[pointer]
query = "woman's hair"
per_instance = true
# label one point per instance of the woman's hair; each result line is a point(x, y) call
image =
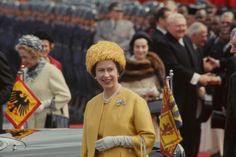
point(174, 17)
point(30, 51)
point(140, 35)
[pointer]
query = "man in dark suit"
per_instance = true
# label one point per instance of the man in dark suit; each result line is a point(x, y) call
point(177, 53)
point(198, 32)
point(6, 83)
point(161, 26)
point(230, 127)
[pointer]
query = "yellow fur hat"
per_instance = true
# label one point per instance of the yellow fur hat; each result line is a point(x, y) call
point(104, 50)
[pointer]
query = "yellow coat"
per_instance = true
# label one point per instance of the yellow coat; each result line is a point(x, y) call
point(129, 116)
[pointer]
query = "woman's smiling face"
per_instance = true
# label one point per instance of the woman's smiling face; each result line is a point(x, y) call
point(107, 74)
point(27, 59)
point(140, 48)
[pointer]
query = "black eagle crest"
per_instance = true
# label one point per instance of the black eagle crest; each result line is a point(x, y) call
point(19, 102)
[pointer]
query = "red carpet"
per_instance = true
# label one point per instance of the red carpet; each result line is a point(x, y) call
point(202, 154)
point(76, 126)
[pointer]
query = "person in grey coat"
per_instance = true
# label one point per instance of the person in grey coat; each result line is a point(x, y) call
point(115, 28)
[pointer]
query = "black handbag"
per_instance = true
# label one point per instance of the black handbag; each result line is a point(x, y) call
point(54, 120)
point(218, 119)
point(155, 106)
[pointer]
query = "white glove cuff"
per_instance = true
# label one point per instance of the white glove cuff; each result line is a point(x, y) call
point(46, 103)
point(124, 141)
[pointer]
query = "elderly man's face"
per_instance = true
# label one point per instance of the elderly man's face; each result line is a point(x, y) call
point(226, 21)
point(177, 27)
point(201, 37)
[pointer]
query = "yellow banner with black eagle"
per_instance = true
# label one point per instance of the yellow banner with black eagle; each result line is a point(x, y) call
point(21, 104)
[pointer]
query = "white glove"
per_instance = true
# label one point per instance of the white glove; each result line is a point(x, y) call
point(43, 105)
point(113, 141)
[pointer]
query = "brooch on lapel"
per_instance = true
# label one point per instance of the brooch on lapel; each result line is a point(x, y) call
point(120, 102)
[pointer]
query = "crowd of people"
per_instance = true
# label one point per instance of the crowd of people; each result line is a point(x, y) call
point(61, 49)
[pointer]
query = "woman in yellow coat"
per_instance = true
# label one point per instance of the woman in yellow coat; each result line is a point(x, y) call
point(116, 119)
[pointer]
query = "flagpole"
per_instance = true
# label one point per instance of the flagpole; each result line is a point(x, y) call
point(20, 74)
point(171, 74)
point(170, 79)
point(170, 117)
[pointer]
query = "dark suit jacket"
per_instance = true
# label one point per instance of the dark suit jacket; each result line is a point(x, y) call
point(230, 127)
point(184, 63)
point(157, 37)
point(6, 80)
point(218, 49)
point(6, 83)
point(200, 56)
point(227, 68)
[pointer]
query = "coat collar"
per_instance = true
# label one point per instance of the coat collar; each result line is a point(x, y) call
point(189, 47)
